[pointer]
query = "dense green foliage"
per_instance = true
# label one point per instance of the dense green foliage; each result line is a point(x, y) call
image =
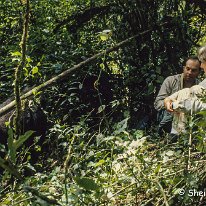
point(96, 151)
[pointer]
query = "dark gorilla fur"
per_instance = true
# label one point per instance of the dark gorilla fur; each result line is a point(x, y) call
point(32, 118)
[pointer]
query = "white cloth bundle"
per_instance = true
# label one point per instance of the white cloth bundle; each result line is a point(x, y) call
point(186, 101)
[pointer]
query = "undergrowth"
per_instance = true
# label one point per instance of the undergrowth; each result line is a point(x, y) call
point(125, 167)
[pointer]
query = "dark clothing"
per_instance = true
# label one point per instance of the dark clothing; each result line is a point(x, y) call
point(164, 119)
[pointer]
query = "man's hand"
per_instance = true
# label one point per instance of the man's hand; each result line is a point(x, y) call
point(168, 105)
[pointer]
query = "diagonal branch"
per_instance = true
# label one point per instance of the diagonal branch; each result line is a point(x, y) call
point(66, 73)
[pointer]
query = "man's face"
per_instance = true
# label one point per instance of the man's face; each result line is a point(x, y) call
point(191, 70)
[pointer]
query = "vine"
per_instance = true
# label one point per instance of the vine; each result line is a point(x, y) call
point(18, 72)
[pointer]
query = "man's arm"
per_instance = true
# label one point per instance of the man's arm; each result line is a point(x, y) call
point(164, 92)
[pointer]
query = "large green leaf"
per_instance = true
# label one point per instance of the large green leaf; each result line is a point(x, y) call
point(87, 183)
point(22, 138)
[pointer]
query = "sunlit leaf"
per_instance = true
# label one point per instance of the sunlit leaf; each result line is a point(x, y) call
point(103, 36)
point(101, 108)
point(26, 72)
point(17, 53)
point(102, 66)
point(101, 162)
point(35, 70)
